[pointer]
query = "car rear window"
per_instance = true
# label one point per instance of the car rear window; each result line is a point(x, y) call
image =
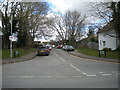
point(42, 48)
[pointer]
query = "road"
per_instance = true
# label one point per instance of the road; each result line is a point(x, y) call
point(60, 70)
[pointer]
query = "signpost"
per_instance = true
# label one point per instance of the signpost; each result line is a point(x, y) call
point(102, 52)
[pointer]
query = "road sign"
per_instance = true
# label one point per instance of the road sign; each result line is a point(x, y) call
point(10, 37)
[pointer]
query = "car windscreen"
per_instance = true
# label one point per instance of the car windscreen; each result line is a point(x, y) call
point(70, 46)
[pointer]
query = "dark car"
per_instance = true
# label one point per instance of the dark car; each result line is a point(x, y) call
point(49, 47)
point(43, 51)
point(69, 48)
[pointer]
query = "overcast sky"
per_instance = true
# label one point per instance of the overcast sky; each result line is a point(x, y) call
point(83, 7)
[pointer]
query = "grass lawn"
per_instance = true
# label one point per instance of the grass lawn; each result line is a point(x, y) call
point(91, 52)
point(6, 52)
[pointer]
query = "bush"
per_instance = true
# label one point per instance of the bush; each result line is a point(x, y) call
point(107, 49)
point(35, 45)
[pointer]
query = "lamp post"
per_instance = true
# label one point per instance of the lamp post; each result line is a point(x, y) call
point(11, 36)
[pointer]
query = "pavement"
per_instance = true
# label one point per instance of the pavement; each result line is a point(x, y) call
point(75, 53)
point(20, 59)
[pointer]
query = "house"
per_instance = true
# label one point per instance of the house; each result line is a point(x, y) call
point(0, 30)
point(107, 37)
point(0, 23)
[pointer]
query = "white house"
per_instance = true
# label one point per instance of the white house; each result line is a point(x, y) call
point(0, 30)
point(0, 23)
point(107, 38)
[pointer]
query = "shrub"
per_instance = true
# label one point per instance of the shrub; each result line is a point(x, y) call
point(107, 49)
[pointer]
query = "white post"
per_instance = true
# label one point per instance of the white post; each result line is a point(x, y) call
point(11, 37)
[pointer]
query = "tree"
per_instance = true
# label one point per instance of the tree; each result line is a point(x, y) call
point(115, 7)
point(27, 19)
point(69, 26)
point(91, 33)
point(74, 24)
point(110, 13)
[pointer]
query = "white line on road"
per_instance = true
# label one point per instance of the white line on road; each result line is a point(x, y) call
point(74, 67)
point(114, 71)
point(60, 76)
point(56, 54)
point(62, 59)
point(106, 74)
point(101, 72)
point(91, 75)
point(45, 76)
point(76, 76)
point(27, 76)
point(77, 69)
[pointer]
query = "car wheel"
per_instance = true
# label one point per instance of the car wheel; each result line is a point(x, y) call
point(47, 54)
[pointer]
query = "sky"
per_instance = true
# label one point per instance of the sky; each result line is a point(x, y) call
point(64, 5)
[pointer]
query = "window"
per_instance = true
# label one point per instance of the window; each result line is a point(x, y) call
point(100, 42)
point(104, 43)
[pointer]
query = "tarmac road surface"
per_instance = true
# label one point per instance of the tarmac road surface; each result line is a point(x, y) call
point(60, 70)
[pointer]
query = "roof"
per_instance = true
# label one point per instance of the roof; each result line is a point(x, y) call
point(107, 27)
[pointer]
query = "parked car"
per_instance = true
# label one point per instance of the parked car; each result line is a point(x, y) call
point(59, 46)
point(68, 48)
point(49, 47)
point(43, 51)
point(53, 46)
point(63, 47)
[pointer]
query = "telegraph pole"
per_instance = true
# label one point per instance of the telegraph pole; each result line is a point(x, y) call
point(11, 36)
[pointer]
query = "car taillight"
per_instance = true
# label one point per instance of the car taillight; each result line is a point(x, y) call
point(47, 50)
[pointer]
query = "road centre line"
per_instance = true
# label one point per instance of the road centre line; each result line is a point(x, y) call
point(62, 59)
point(77, 69)
point(56, 54)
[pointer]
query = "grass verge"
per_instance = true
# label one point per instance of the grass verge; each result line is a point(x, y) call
point(22, 51)
point(91, 52)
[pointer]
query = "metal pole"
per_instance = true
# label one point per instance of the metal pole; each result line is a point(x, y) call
point(11, 37)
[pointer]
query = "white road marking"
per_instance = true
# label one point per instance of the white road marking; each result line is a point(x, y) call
point(45, 76)
point(77, 69)
point(26, 76)
point(74, 67)
point(114, 71)
point(76, 76)
point(101, 72)
point(106, 74)
point(91, 75)
point(62, 59)
point(60, 76)
point(56, 54)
